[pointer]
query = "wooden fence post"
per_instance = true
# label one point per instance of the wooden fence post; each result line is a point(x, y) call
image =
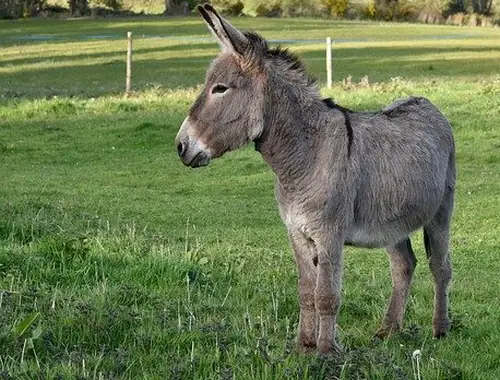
point(129, 64)
point(328, 62)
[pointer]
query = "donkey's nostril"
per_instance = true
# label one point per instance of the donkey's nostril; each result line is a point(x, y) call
point(181, 148)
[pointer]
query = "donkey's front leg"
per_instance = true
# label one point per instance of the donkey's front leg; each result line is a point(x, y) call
point(328, 292)
point(306, 259)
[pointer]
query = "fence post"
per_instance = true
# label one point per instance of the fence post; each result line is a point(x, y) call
point(328, 62)
point(129, 63)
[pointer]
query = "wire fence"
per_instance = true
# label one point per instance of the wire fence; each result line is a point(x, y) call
point(64, 38)
point(328, 58)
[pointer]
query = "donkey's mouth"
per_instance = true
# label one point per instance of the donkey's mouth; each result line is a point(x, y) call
point(201, 159)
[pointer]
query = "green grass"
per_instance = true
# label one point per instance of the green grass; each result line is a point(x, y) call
point(116, 262)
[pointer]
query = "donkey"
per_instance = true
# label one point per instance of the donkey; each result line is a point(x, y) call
point(367, 179)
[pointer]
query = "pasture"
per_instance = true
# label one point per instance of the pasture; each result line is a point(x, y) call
point(117, 262)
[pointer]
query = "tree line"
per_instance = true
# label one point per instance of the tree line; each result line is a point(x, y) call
point(410, 10)
point(432, 11)
point(32, 8)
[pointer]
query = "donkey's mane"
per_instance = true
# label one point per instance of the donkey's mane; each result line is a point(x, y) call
point(286, 60)
point(293, 63)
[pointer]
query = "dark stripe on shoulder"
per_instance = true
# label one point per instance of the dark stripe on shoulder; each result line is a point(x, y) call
point(346, 112)
point(348, 127)
point(330, 103)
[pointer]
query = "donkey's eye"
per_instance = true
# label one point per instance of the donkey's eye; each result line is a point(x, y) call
point(219, 89)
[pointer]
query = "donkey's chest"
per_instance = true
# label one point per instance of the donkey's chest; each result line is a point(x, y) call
point(296, 218)
point(310, 212)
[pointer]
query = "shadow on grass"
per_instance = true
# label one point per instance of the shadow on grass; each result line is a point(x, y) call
point(380, 64)
point(78, 29)
point(58, 58)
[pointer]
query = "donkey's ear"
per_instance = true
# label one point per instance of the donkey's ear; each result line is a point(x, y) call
point(229, 38)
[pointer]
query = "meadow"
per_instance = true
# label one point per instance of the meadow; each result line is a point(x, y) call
point(117, 262)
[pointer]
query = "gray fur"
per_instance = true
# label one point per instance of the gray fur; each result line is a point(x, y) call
point(367, 179)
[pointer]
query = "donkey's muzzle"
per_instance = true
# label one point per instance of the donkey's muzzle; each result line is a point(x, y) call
point(201, 159)
point(191, 150)
point(190, 155)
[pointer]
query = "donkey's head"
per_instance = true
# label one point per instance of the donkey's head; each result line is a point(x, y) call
point(229, 111)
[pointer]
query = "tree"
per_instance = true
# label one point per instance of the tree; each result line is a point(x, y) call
point(20, 8)
point(337, 8)
point(483, 7)
point(78, 7)
point(115, 5)
point(176, 6)
point(170, 4)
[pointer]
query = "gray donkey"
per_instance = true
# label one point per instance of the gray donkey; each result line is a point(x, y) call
point(367, 179)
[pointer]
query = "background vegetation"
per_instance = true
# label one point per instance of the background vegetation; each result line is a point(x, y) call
point(456, 12)
point(117, 262)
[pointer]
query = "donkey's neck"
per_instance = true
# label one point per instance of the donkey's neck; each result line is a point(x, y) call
point(290, 131)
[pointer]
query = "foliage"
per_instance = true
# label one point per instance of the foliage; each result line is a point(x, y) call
point(284, 8)
point(371, 9)
point(78, 7)
point(430, 11)
point(112, 4)
point(232, 7)
point(263, 7)
point(145, 6)
point(337, 8)
point(483, 7)
point(387, 10)
point(20, 8)
point(302, 8)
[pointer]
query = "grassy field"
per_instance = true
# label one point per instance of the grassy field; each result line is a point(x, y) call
point(116, 262)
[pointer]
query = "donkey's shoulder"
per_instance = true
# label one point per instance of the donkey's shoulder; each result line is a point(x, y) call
point(330, 103)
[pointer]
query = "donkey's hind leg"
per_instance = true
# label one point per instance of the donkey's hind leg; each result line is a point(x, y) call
point(436, 240)
point(403, 263)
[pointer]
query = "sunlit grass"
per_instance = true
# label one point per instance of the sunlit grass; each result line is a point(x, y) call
point(103, 222)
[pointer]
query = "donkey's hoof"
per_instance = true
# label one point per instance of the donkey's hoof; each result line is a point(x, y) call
point(382, 333)
point(306, 343)
point(386, 330)
point(331, 350)
point(306, 349)
point(441, 328)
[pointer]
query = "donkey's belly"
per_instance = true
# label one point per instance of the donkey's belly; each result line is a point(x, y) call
point(372, 239)
point(383, 236)
point(384, 223)
point(367, 240)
